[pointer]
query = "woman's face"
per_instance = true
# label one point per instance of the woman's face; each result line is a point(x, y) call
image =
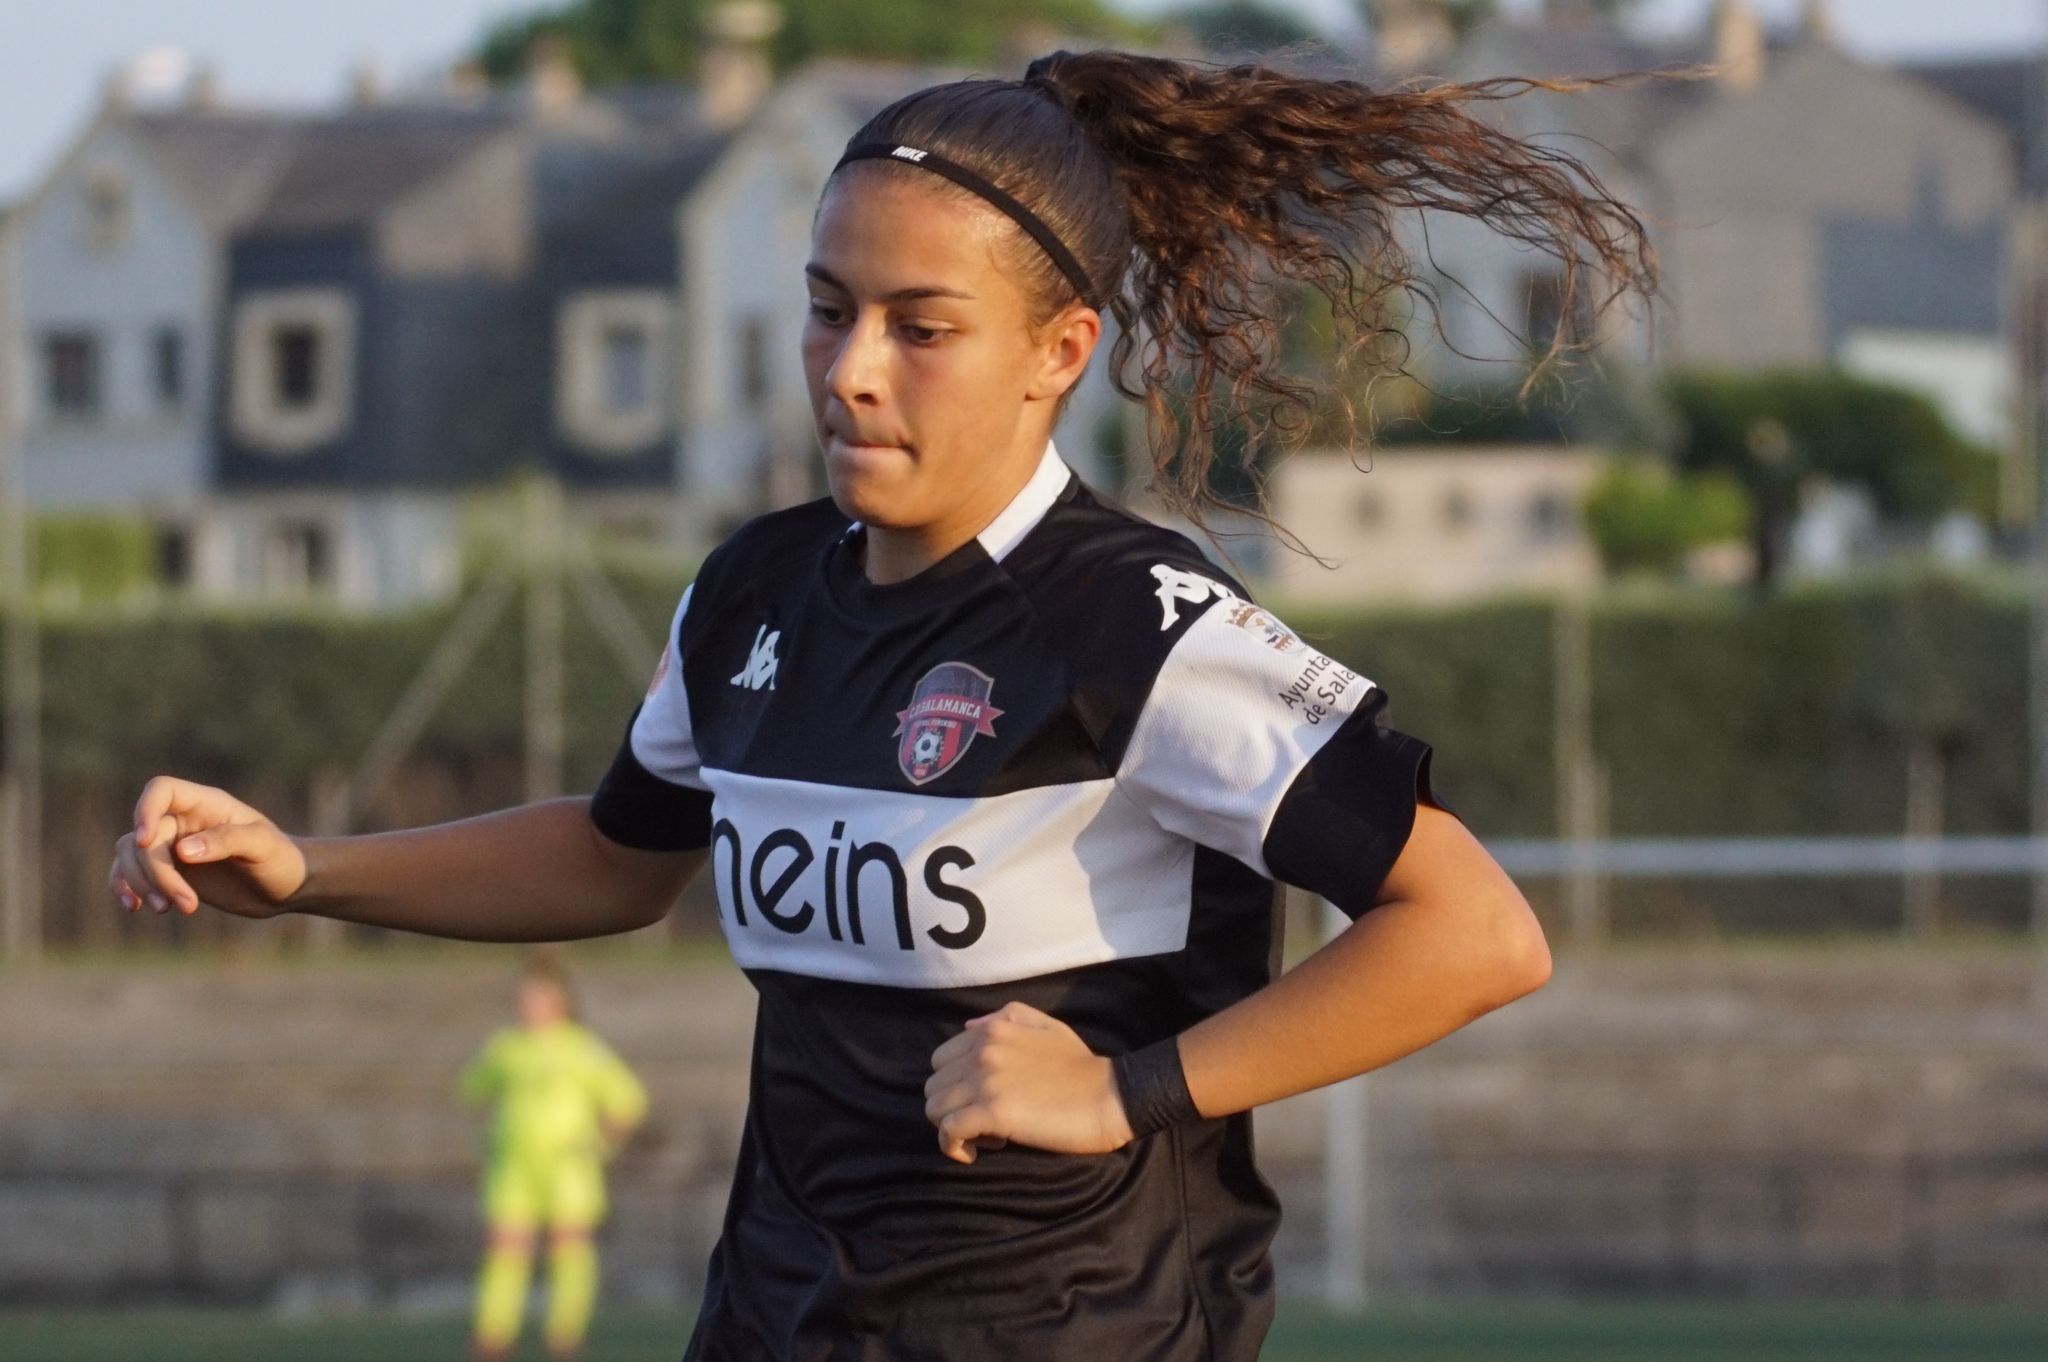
point(932, 392)
point(541, 1003)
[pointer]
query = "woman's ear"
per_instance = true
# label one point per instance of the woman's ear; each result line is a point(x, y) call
point(1065, 343)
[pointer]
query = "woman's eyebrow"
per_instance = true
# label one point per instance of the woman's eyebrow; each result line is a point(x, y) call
point(901, 295)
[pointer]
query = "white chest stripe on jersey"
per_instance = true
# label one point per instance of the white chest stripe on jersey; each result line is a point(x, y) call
point(930, 891)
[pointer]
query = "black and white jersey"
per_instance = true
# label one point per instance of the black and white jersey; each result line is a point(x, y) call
point(1064, 765)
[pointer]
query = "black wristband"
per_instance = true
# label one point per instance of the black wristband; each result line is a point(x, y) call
point(1153, 1087)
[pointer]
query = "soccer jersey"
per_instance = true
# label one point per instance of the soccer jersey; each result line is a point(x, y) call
point(552, 1085)
point(1064, 765)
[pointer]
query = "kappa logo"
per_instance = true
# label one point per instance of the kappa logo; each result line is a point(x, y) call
point(949, 709)
point(1176, 586)
point(759, 673)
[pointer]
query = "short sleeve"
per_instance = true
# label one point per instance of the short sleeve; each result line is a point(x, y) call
point(1258, 745)
point(483, 1078)
point(654, 796)
point(618, 1092)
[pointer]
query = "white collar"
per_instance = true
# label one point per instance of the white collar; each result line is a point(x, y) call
point(1026, 509)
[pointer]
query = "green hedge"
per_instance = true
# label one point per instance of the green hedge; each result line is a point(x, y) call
point(1716, 713)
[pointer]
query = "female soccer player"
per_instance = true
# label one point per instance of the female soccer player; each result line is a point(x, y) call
point(564, 1104)
point(995, 780)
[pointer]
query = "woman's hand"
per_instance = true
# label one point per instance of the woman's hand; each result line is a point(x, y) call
point(1018, 1074)
point(193, 843)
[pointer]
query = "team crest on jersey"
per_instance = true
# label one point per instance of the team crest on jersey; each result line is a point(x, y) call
point(1264, 627)
point(948, 710)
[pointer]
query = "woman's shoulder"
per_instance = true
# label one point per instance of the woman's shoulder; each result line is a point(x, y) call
point(1095, 570)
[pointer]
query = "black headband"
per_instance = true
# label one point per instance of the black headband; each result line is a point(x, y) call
point(967, 179)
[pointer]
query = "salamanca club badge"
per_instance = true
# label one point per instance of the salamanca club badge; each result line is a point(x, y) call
point(948, 710)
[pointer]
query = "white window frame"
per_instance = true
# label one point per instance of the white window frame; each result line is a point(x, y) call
point(95, 408)
point(584, 414)
point(258, 418)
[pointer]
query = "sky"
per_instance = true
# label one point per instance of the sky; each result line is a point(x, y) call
point(55, 54)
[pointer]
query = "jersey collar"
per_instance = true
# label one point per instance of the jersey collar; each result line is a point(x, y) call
point(1028, 507)
point(1025, 510)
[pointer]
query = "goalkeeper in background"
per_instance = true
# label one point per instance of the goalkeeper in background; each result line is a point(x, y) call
point(565, 1103)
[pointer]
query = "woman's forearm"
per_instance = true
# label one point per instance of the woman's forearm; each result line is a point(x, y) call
point(1405, 974)
point(538, 872)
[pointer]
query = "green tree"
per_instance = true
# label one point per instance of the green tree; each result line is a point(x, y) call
point(1774, 429)
point(612, 41)
point(1641, 517)
point(1612, 11)
point(1242, 24)
point(1465, 15)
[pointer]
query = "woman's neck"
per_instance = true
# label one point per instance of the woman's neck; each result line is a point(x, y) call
point(895, 555)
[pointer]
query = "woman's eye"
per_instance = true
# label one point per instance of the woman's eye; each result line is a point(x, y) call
point(825, 312)
point(923, 335)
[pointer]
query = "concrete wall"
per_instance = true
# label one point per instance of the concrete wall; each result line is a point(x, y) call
point(1836, 1122)
point(1395, 530)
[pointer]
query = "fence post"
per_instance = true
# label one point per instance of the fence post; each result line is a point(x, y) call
point(1925, 781)
point(1345, 1238)
point(1579, 775)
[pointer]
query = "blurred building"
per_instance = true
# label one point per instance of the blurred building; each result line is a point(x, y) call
point(297, 341)
point(1808, 208)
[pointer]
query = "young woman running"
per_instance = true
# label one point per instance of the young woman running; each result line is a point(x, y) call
point(995, 780)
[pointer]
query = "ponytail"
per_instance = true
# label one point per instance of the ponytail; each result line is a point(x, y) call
point(1201, 199)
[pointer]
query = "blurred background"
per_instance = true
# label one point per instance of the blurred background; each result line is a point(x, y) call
point(373, 376)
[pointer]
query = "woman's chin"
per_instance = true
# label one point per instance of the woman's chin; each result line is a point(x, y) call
point(867, 481)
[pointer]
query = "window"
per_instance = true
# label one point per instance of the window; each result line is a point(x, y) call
point(295, 364)
point(301, 556)
point(1548, 514)
point(292, 373)
point(174, 555)
point(626, 352)
point(612, 356)
point(71, 362)
point(1546, 309)
point(753, 356)
point(167, 365)
point(1459, 510)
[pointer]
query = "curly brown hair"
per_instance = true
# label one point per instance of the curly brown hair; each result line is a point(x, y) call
point(1201, 198)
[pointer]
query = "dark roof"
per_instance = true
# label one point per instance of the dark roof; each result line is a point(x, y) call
point(2002, 87)
point(652, 108)
point(650, 190)
point(1623, 118)
point(2010, 89)
point(346, 169)
point(861, 89)
point(227, 160)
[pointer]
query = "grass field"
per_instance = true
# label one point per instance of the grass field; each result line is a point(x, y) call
point(1414, 1333)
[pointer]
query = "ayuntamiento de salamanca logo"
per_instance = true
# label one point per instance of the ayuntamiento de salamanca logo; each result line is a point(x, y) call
point(948, 709)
